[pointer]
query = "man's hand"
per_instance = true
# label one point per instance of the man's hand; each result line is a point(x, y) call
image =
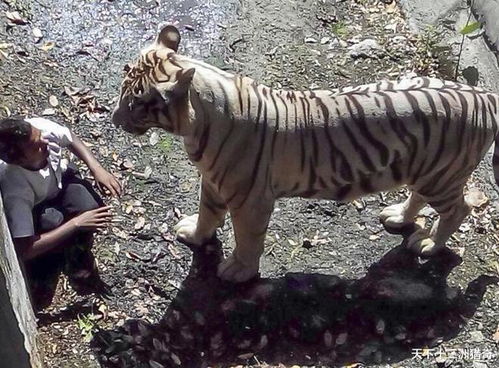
point(94, 219)
point(106, 182)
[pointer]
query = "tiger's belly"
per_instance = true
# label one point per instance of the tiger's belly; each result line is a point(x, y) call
point(377, 182)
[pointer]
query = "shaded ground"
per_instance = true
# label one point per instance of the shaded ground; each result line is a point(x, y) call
point(349, 298)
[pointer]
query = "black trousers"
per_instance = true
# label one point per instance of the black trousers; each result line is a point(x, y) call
point(74, 258)
point(76, 196)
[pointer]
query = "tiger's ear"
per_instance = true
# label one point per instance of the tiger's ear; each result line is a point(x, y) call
point(184, 82)
point(169, 37)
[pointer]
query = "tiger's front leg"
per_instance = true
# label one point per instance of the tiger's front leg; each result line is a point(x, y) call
point(250, 226)
point(200, 228)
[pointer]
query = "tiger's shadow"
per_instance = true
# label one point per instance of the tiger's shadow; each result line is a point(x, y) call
point(300, 319)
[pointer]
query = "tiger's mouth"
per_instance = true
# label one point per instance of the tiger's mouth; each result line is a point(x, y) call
point(134, 129)
point(119, 121)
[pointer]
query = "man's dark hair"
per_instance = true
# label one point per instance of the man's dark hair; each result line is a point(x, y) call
point(14, 133)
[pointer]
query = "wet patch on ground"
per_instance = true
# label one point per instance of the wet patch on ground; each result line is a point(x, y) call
point(333, 289)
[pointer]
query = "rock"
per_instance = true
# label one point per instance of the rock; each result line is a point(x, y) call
point(328, 339)
point(465, 227)
point(154, 364)
point(480, 365)
point(246, 356)
point(399, 39)
point(476, 336)
point(342, 338)
point(154, 139)
point(365, 48)
point(48, 112)
point(264, 340)
point(380, 327)
point(37, 33)
point(176, 359)
point(310, 40)
point(427, 211)
point(53, 101)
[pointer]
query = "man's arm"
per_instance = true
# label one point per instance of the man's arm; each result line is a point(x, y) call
point(30, 247)
point(102, 177)
point(33, 246)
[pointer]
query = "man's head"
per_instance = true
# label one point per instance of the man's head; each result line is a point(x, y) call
point(22, 144)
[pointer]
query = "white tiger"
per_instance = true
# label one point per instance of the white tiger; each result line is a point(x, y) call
point(254, 144)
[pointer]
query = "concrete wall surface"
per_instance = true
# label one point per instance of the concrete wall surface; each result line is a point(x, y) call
point(18, 347)
point(488, 12)
point(449, 17)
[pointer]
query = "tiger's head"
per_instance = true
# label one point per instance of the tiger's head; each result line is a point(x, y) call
point(154, 92)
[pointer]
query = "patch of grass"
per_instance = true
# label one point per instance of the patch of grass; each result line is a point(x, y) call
point(86, 324)
point(166, 144)
point(431, 57)
point(339, 29)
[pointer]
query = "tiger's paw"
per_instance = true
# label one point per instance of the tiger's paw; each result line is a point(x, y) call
point(421, 243)
point(393, 217)
point(185, 230)
point(233, 270)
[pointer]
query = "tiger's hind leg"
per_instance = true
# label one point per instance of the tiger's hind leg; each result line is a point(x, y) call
point(198, 229)
point(400, 215)
point(452, 210)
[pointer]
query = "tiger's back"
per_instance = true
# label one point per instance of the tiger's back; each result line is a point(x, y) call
point(357, 140)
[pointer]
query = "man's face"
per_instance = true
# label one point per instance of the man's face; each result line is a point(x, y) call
point(34, 152)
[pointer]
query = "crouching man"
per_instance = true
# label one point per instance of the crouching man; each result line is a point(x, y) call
point(47, 204)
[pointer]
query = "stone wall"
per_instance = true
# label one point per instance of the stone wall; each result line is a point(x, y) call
point(18, 345)
point(488, 12)
point(451, 16)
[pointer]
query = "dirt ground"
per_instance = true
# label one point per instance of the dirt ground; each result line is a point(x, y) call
point(336, 289)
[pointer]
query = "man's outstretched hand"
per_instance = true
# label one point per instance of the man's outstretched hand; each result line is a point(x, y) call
point(93, 220)
point(106, 182)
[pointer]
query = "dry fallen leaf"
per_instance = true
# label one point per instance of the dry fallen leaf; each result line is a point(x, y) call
point(476, 198)
point(47, 46)
point(147, 172)
point(127, 164)
point(6, 109)
point(128, 209)
point(15, 17)
point(390, 8)
point(496, 335)
point(71, 91)
point(140, 223)
point(103, 310)
point(120, 233)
